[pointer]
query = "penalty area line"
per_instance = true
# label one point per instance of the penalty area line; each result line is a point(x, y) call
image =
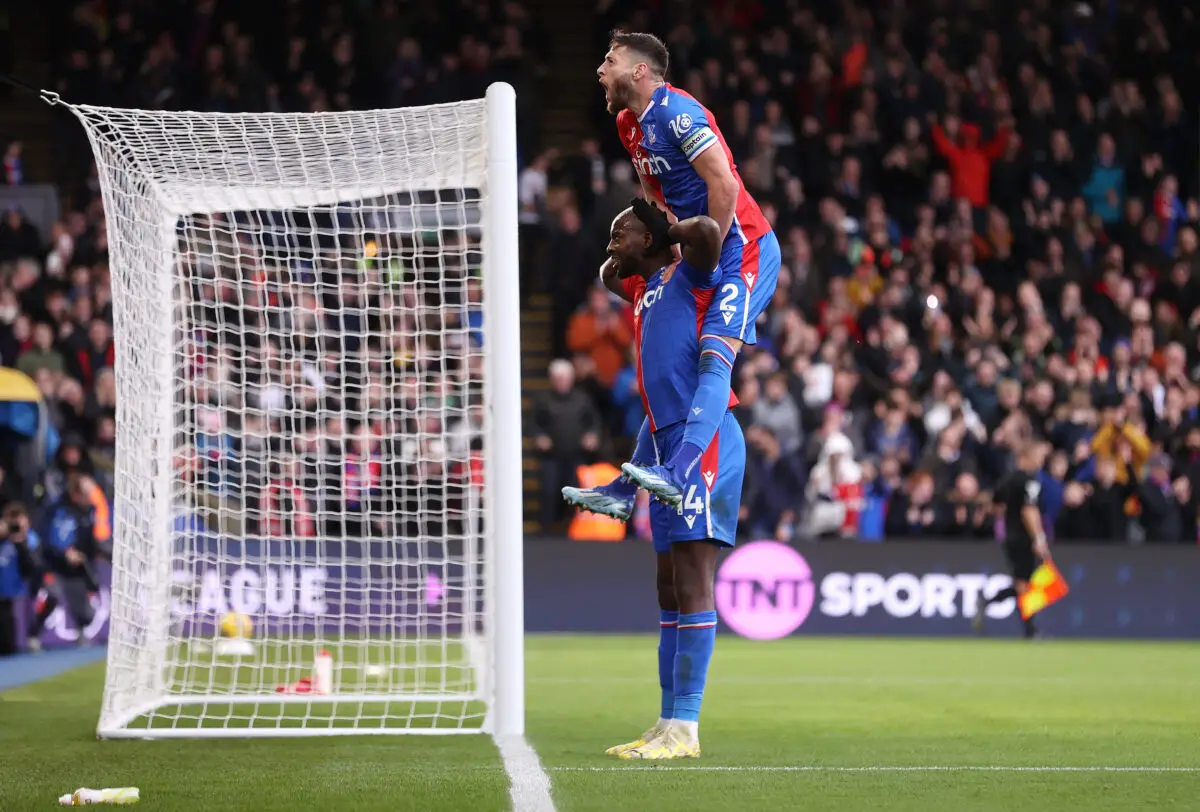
point(814, 768)
point(529, 785)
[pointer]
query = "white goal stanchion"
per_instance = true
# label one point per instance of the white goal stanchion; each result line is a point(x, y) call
point(317, 520)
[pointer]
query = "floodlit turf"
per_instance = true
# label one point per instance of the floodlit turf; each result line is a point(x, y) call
point(837, 709)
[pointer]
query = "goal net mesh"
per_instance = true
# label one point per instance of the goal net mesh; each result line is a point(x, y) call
point(300, 377)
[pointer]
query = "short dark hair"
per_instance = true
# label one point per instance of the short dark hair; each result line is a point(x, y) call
point(649, 47)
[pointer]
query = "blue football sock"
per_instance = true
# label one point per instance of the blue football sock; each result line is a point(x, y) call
point(622, 487)
point(709, 405)
point(668, 636)
point(697, 634)
point(644, 452)
point(685, 457)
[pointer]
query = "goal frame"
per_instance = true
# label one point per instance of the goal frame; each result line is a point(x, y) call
point(501, 509)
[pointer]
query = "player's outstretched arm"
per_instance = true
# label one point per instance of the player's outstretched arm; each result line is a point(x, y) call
point(700, 238)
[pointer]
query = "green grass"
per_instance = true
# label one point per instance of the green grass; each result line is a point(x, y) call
point(811, 703)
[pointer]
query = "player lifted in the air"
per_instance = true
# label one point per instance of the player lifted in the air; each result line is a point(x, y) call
point(684, 163)
point(670, 300)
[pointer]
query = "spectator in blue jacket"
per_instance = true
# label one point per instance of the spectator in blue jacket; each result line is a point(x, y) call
point(69, 551)
point(1105, 189)
point(627, 399)
point(18, 566)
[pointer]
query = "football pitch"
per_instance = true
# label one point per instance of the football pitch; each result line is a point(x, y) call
point(803, 723)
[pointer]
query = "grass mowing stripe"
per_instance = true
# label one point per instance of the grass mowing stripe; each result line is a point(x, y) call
point(529, 783)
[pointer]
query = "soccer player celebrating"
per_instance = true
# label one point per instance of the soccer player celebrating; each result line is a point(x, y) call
point(669, 300)
point(685, 166)
point(1024, 538)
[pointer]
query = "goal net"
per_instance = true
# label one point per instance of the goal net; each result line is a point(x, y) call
point(317, 524)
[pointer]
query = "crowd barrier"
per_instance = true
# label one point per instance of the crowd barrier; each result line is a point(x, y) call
point(764, 590)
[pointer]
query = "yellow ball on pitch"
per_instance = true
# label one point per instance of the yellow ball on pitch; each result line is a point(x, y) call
point(236, 624)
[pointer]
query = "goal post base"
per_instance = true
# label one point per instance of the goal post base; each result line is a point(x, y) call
point(295, 716)
point(150, 734)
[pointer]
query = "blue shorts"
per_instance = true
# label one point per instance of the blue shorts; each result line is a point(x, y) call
point(712, 494)
point(748, 275)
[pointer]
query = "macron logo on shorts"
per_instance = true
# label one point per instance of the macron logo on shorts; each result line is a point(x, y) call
point(749, 277)
point(709, 476)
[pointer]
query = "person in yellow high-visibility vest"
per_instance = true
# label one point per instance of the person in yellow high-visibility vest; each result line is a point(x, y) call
point(588, 526)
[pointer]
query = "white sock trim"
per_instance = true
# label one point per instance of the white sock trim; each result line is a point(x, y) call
point(692, 729)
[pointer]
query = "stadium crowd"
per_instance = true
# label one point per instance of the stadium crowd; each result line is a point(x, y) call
point(989, 220)
point(990, 227)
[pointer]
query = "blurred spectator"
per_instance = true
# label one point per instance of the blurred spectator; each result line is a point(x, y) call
point(970, 159)
point(773, 487)
point(18, 237)
point(599, 331)
point(778, 413)
point(74, 536)
point(1105, 187)
point(1165, 504)
point(626, 397)
point(19, 568)
point(834, 490)
point(14, 167)
point(566, 428)
point(1120, 442)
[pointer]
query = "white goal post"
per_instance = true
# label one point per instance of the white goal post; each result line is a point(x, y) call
point(318, 421)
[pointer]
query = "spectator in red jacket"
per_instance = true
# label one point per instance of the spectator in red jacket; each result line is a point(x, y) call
point(970, 162)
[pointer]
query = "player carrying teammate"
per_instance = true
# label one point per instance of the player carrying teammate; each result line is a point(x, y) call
point(669, 301)
point(685, 165)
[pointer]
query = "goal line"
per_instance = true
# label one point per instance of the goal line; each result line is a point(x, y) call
point(815, 768)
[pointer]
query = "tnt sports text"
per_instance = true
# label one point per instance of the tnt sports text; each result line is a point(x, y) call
point(767, 590)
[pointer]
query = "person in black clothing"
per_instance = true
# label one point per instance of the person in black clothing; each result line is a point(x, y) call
point(1024, 538)
point(1165, 504)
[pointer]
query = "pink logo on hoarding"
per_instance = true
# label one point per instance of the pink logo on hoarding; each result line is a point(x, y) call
point(764, 590)
point(434, 589)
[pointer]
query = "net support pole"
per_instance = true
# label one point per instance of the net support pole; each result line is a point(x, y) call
point(503, 488)
point(158, 608)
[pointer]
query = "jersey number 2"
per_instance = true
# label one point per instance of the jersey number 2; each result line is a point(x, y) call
point(731, 293)
point(727, 307)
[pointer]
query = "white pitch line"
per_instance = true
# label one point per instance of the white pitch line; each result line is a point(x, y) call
point(896, 769)
point(834, 679)
point(529, 785)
